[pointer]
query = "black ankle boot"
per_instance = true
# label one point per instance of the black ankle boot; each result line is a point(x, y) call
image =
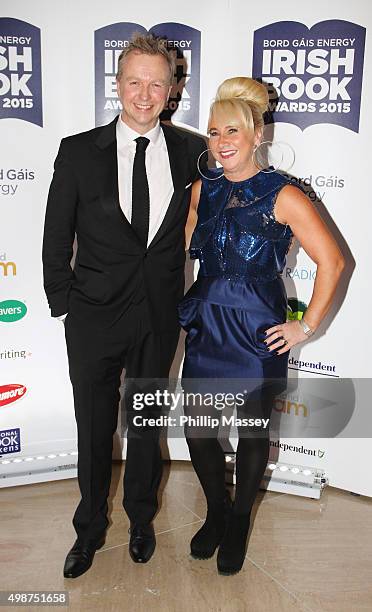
point(231, 553)
point(206, 540)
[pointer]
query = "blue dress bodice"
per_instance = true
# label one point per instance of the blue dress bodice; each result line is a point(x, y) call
point(237, 235)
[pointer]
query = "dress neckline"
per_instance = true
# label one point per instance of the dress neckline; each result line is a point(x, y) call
point(244, 181)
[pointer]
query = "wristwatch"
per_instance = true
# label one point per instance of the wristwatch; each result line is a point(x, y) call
point(308, 331)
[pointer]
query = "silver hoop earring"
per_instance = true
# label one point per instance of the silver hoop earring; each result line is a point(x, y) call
point(201, 173)
point(268, 142)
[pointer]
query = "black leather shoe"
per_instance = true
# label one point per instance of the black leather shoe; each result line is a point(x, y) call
point(142, 542)
point(80, 558)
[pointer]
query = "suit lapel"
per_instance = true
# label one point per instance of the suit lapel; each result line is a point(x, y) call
point(109, 195)
point(178, 165)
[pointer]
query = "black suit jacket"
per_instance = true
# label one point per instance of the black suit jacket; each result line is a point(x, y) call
point(112, 269)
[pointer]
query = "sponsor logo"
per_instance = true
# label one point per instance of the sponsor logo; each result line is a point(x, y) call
point(12, 310)
point(314, 75)
point(13, 354)
point(295, 309)
point(10, 179)
point(20, 71)
point(11, 393)
point(300, 273)
point(302, 450)
point(316, 187)
point(315, 367)
point(286, 406)
point(7, 268)
point(183, 41)
point(10, 441)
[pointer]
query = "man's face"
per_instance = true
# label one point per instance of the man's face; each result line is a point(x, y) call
point(143, 89)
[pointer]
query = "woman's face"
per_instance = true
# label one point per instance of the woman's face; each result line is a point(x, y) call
point(232, 144)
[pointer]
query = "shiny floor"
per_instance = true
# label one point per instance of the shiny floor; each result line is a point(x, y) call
point(303, 554)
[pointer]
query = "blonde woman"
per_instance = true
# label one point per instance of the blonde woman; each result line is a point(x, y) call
point(242, 220)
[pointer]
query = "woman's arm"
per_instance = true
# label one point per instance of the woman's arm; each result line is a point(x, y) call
point(193, 212)
point(295, 209)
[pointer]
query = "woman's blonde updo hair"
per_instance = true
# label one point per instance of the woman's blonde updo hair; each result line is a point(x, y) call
point(241, 96)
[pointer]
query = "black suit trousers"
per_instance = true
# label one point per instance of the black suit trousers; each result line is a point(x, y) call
point(96, 360)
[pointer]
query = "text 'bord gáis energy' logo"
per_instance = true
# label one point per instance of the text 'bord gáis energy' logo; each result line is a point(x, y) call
point(182, 40)
point(20, 71)
point(314, 75)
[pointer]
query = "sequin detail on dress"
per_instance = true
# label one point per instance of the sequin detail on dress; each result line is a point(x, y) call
point(237, 235)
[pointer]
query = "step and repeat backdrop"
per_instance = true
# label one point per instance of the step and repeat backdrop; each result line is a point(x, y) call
point(57, 77)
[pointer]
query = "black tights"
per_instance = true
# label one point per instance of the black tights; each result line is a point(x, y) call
point(208, 460)
point(252, 454)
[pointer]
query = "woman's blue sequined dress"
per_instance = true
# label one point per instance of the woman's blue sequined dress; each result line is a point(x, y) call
point(239, 292)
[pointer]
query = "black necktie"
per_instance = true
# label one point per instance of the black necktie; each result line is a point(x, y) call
point(140, 192)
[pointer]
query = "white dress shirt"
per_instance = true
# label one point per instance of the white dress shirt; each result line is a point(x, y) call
point(158, 172)
point(157, 169)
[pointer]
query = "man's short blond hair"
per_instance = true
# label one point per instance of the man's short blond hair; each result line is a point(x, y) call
point(149, 45)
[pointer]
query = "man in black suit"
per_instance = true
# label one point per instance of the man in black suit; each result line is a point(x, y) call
point(124, 190)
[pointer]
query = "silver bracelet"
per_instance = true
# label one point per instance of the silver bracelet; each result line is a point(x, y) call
point(308, 331)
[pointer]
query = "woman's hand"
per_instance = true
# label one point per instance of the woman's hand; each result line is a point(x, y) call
point(281, 338)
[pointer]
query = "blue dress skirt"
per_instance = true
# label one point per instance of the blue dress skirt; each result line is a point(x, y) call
point(239, 292)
